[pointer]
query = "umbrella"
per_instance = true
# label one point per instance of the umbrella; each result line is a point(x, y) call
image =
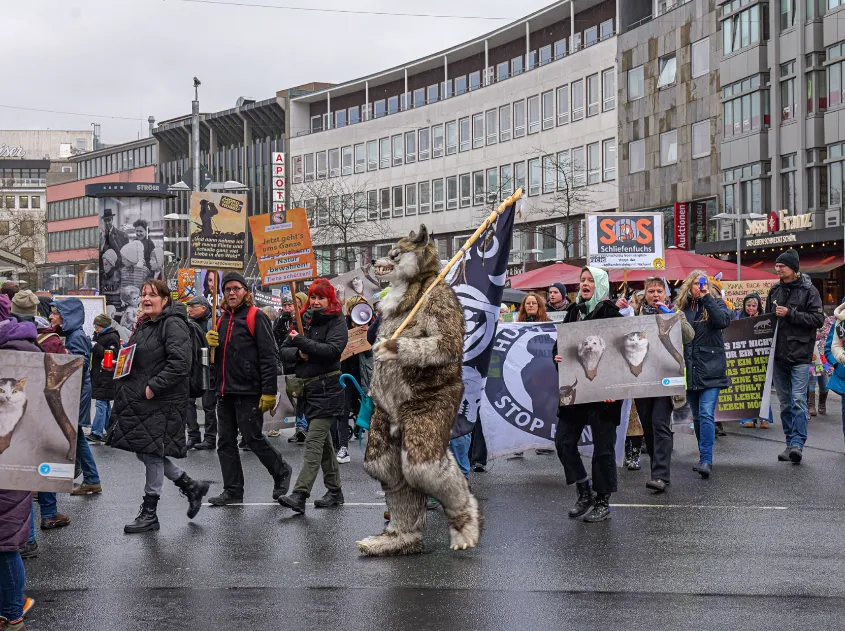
point(367, 407)
point(513, 295)
point(680, 264)
point(543, 277)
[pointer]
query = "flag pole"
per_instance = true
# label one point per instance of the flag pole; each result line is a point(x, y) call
point(461, 253)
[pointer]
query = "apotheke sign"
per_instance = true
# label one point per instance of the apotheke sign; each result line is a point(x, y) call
point(777, 222)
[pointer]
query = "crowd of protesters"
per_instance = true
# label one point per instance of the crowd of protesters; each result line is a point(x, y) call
point(153, 411)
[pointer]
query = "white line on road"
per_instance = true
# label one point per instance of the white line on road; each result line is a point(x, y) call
point(687, 506)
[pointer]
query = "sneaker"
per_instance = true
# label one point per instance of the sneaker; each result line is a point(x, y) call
point(274, 433)
point(784, 455)
point(59, 521)
point(206, 444)
point(764, 424)
point(87, 489)
point(28, 604)
point(29, 550)
point(796, 454)
point(720, 430)
point(343, 456)
point(94, 438)
point(749, 424)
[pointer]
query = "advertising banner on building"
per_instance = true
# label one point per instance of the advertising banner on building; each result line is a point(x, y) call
point(620, 358)
point(283, 250)
point(736, 290)
point(131, 251)
point(749, 350)
point(39, 411)
point(623, 241)
point(218, 231)
point(682, 226)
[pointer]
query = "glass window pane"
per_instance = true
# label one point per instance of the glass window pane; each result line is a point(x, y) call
point(424, 142)
point(563, 105)
point(608, 89)
point(437, 140)
point(519, 119)
point(592, 95)
point(504, 123)
point(533, 114)
point(548, 105)
point(492, 124)
point(477, 131)
point(577, 100)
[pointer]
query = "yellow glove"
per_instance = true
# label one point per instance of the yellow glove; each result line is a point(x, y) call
point(267, 402)
point(213, 339)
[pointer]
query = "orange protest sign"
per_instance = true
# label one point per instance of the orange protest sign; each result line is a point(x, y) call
point(283, 249)
point(186, 281)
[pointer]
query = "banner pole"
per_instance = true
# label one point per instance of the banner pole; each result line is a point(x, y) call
point(461, 253)
point(214, 307)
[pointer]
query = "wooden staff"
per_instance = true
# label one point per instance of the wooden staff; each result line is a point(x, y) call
point(455, 259)
point(214, 308)
point(297, 311)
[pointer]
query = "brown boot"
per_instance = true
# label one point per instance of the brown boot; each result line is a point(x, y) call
point(811, 403)
point(823, 403)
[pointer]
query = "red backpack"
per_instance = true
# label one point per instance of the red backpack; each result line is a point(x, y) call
point(250, 319)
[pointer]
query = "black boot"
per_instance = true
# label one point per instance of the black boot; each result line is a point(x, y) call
point(281, 482)
point(194, 491)
point(225, 499)
point(634, 465)
point(207, 443)
point(601, 509)
point(295, 501)
point(146, 519)
point(585, 500)
point(330, 499)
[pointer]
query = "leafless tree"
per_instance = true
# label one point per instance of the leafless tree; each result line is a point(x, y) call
point(23, 239)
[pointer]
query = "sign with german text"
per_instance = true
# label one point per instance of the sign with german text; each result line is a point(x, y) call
point(737, 290)
point(186, 284)
point(357, 343)
point(625, 241)
point(283, 250)
point(218, 231)
point(682, 226)
point(749, 351)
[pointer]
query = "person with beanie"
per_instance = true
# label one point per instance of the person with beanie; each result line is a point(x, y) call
point(199, 311)
point(798, 306)
point(25, 303)
point(106, 338)
point(752, 306)
point(246, 360)
point(558, 301)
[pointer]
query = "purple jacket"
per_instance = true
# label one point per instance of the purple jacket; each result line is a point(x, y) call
point(18, 336)
point(15, 512)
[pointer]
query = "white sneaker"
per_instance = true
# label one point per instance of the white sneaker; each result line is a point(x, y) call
point(343, 456)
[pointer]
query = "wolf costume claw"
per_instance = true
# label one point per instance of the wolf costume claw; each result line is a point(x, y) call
point(417, 389)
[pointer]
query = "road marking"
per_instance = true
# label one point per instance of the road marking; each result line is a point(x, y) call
point(688, 506)
point(309, 503)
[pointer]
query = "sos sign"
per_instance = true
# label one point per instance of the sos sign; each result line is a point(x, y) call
point(625, 241)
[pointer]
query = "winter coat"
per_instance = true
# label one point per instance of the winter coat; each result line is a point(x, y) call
point(598, 412)
point(163, 356)
point(15, 513)
point(281, 329)
point(834, 350)
point(50, 341)
point(243, 364)
point(796, 335)
point(323, 341)
point(103, 382)
point(705, 354)
point(18, 336)
point(77, 343)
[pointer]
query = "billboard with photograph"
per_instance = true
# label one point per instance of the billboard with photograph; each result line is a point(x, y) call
point(218, 231)
point(625, 241)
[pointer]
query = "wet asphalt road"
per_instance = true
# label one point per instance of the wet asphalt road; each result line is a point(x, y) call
point(758, 546)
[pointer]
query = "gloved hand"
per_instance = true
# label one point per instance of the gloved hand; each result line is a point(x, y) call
point(267, 402)
point(213, 339)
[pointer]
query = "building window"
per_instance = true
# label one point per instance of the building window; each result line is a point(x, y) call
point(398, 150)
point(787, 14)
point(609, 159)
point(667, 71)
point(701, 139)
point(533, 114)
point(563, 105)
point(532, 59)
point(502, 71)
point(410, 199)
point(372, 205)
point(297, 169)
point(591, 36)
point(460, 85)
point(466, 141)
point(466, 190)
point(564, 173)
point(668, 147)
point(425, 198)
point(592, 95)
point(608, 78)
point(534, 177)
point(398, 206)
point(384, 153)
point(475, 80)
point(410, 147)
point(606, 29)
point(340, 118)
point(545, 54)
point(519, 119)
point(322, 165)
point(23, 203)
point(593, 163)
point(742, 29)
point(835, 74)
point(451, 138)
point(477, 131)
point(309, 167)
point(577, 100)
point(393, 105)
point(518, 176)
point(516, 66)
point(372, 155)
point(35, 200)
point(360, 158)
point(438, 194)
point(504, 123)
point(452, 192)
point(636, 156)
point(816, 91)
point(346, 161)
point(745, 188)
point(478, 188)
point(425, 143)
point(506, 178)
point(354, 115)
point(549, 175)
point(316, 125)
point(548, 107)
point(419, 97)
point(437, 140)
point(579, 176)
point(384, 197)
point(746, 106)
point(560, 49)
point(380, 108)
point(789, 106)
point(636, 83)
point(492, 124)
point(700, 57)
point(10, 203)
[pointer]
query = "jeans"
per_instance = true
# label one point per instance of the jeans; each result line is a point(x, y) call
point(157, 468)
point(240, 413)
point(90, 475)
point(12, 581)
point(791, 385)
point(703, 406)
point(319, 452)
point(49, 508)
point(102, 415)
point(460, 449)
point(821, 380)
point(656, 419)
point(340, 433)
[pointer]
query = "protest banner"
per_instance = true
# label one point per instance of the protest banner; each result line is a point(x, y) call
point(749, 351)
point(39, 411)
point(620, 358)
point(186, 284)
point(519, 402)
point(218, 231)
point(622, 241)
point(284, 249)
point(355, 283)
point(737, 290)
point(357, 343)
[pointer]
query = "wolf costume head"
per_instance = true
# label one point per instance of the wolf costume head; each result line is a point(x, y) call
point(410, 266)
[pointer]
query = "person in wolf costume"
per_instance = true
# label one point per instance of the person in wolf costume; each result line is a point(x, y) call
point(417, 389)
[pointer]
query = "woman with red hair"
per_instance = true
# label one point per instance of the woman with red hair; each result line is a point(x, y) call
point(316, 356)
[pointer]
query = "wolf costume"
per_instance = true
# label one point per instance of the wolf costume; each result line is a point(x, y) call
point(417, 389)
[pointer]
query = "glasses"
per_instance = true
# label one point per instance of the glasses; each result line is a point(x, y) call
point(233, 290)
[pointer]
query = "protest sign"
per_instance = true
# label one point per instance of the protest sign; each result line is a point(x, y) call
point(39, 411)
point(749, 348)
point(737, 290)
point(186, 282)
point(218, 231)
point(622, 241)
point(354, 283)
point(620, 358)
point(357, 343)
point(283, 250)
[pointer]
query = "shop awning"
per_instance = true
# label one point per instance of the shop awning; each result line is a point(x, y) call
point(812, 264)
point(543, 277)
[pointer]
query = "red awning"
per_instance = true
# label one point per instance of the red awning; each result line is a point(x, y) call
point(680, 264)
point(816, 263)
point(543, 277)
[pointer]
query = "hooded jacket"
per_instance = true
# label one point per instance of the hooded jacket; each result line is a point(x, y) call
point(103, 382)
point(77, 343)
point(796, 334)
point(834, 350)
point(704, 355)
point(163, 357)
point(740, 313)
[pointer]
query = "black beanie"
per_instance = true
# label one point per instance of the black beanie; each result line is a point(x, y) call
point(234, 276)
point(789, 258)
point(561, 288)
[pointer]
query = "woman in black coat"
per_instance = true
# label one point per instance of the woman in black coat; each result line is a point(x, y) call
point(705, 360)
point(151, 402)
point(316, 357)
point(602, 417)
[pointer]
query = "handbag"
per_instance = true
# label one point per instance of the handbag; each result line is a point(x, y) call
point(295, 386)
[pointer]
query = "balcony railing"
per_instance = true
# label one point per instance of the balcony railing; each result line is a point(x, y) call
point(23, 183)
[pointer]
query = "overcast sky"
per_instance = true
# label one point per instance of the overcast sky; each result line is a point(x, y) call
point(137, 58)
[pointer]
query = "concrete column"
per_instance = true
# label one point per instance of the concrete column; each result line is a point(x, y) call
point(487, 77)
point(801, 98)
point(777, 109)
point(366, 100)
point(527, 42)
point(212, 140)
point(407, 98)
point(445, 75)
point(329, 108)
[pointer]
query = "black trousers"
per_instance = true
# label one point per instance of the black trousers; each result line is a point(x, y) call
point(340, 431)
point(478, 445)
point(240, 413)
point(209, 410)
point(656, 419)
point(603, 418)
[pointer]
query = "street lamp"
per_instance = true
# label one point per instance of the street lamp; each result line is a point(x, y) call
point(737, 219)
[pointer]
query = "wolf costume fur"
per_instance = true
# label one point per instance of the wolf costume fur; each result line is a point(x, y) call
point(417, 389)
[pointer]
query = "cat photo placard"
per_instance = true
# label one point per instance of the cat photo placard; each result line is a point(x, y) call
point(39, 411)
point(620, 358)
